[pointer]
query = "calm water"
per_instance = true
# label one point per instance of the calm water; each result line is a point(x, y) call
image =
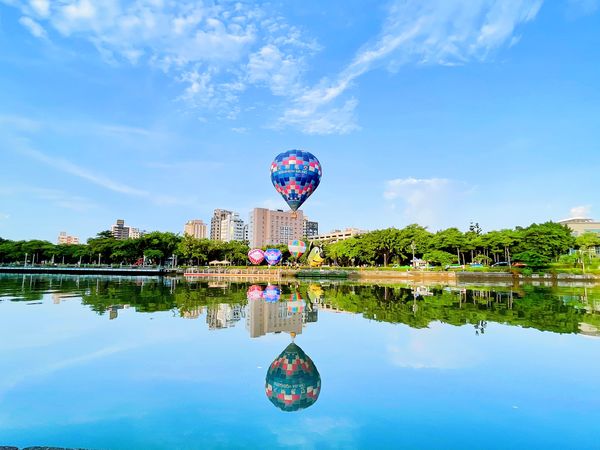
point(121, 363)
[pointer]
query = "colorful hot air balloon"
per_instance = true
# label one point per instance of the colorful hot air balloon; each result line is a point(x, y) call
point(272, 256)
point(254, 292)
point(256, 256)
point(295, 174)
point(296, 248)
point(293, 381)
point(295, 304)
point(272, 294)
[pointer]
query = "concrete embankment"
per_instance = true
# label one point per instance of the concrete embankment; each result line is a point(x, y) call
point(403, 276)
point(144, 271)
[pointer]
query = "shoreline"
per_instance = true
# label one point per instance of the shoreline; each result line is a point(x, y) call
point(426, 277)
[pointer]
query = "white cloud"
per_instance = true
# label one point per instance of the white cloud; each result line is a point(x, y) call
point(428, 202)
point(19, 123)
point(218, 50)
point(40, 7)
point(205, 46)
point(280, 72)
point(434, 32)
point(436, 347)
point(34, 28)
point(56, 197)
point(580, 211)
point(73, 169)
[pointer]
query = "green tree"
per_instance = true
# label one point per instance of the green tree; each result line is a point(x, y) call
point(440, 257)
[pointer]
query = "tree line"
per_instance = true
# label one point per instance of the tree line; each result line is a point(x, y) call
point(536, 245)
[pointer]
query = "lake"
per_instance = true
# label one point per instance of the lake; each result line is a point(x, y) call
point(150, 363)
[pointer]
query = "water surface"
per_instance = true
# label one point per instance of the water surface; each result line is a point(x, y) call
point(125, 363)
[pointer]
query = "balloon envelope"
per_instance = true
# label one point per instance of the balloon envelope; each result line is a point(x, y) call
point(295, 174)
point(255, 292)
point(272, 256)
point(293, 381)
point(297, 248)
point(272, 294)
point(256, 256)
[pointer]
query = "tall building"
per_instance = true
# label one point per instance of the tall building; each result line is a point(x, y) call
point(232, 228)
point(338, 235)
point(215, 223)
point(119, 230)
point(269, 227)
point(246, 232)
point(135, 233)
point(64, 238)
point(195, 228)
point(310, 228)
point(580, 225)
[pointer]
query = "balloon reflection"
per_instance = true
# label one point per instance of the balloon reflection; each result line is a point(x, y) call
point(255, 292)
point(293, 381)
point(272, 293)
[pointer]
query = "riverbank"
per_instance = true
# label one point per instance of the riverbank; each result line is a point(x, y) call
point(257, 274)
point(99, 270)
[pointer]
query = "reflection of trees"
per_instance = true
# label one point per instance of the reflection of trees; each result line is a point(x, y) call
point(534, 307)
point(559, 310)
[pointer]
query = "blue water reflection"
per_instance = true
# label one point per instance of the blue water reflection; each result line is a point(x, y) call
point(184, 365)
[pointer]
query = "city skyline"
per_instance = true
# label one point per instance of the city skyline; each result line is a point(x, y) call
point(439, 114)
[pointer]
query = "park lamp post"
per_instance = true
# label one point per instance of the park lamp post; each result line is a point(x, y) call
point(25, 263)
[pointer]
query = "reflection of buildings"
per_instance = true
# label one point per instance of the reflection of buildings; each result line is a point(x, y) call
point(113, 311)
point(193, 313)
point(266, 317)
point(223, 315)
point(57, 297)
point(588, 330)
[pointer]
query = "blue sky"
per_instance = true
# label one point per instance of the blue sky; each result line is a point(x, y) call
point(157, 112)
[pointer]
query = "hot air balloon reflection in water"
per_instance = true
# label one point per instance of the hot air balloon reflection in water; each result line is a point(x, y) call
point(272, 294)
point(254, 292)
point(293, 381)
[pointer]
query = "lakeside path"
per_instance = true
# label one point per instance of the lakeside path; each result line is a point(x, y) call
point(360, 275)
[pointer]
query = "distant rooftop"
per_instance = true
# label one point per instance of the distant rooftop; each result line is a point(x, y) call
point(577, 220)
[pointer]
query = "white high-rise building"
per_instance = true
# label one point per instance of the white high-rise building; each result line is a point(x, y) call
point(232, 228)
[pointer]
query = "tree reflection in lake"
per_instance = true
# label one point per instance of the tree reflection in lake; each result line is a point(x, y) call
point(556, 309)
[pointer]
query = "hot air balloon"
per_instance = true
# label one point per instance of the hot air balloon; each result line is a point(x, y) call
point(272, 256)
point(295, 174)
point(254, 292)
point(256, 256)
point(297, 248)
point(293, 381)
point(295, 304)
point(272, 294)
